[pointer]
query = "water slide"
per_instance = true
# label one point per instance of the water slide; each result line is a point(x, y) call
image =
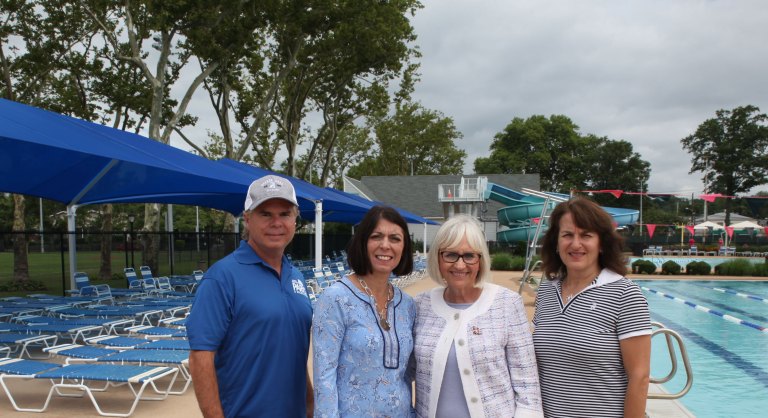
point(523, 211)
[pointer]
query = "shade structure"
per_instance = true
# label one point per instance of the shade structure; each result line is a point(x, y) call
point(335, 207)
point(707, 225)
point(57, 157)
point(745, 225)
point(76, 162)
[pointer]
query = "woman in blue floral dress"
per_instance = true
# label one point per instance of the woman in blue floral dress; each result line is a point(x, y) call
point(362, 328)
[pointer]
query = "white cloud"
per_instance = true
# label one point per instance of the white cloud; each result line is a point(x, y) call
point(648, 72)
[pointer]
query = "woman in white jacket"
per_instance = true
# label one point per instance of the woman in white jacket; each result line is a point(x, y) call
point(473, 348)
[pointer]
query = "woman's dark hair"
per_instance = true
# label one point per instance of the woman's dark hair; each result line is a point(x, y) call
point(589, 216)
point(357, 250)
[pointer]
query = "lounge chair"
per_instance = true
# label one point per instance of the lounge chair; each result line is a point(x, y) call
point(85, 288)
point(165, 345)
point(170, 358)
point(20, 343)
point(79, 353)
point(67, 331)
point(157, 332)
point(68, 378)
point(117, 342)
point(146, 272)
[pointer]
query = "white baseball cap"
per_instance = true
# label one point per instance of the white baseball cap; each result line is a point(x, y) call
point(269, 187)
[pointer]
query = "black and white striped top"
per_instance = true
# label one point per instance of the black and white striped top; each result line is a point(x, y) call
point(577, 345)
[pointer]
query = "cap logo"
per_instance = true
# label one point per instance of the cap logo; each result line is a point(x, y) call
point(271, 186)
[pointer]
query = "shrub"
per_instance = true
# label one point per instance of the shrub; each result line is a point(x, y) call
point(518, 263)
point(670, 267)
point(179, 243)
point(644, 267)
point(22, 286)
point(734, 268)
point(635, 265)
point(501, 261)
point(507, 262)
point(760, 270)
point(698, 268)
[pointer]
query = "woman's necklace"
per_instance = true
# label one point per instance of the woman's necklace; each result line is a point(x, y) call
point(571, 295)
point(383, 318)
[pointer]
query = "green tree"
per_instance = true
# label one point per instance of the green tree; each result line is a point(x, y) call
point(731, 150)
point(160, 40)
point(413, 140)
point(610, 165)
point(564, 159)
point(355, 50)
point(41, 64)
point(547, 146)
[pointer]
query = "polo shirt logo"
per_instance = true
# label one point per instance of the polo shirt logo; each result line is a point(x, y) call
point(298, 287)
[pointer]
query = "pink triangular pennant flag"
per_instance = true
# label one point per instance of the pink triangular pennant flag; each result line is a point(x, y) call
point(651, 228)
point(690, 229)
point(729, 230)
point(615, 193)
point(711, 197)
point(536, 220)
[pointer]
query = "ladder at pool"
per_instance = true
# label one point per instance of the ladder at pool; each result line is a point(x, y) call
point(532, 245)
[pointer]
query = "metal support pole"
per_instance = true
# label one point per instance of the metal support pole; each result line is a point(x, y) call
point(72, 239)
point(42, 232)
point(318, 234)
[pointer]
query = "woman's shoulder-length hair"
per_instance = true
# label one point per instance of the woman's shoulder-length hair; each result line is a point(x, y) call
point(357, 250)
point(589, 216)
point(450, 235)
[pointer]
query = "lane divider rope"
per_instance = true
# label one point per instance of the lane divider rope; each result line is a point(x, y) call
point(725, 316)
point(742, 295)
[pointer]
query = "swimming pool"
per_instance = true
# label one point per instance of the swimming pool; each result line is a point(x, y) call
point(727, 345)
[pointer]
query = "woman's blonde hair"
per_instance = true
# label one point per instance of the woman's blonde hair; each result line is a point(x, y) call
point(450, 235)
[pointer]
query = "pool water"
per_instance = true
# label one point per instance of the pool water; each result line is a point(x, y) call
point(729, 359)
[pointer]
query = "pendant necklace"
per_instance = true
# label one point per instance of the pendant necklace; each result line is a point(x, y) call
point(383, 318)
point(570, 297)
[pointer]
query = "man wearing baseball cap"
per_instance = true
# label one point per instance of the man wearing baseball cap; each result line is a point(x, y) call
point(249, 325)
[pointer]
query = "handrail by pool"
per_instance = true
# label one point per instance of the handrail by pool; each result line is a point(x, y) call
point(669, 334)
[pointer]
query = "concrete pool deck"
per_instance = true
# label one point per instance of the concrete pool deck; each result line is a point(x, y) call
point(185, 406)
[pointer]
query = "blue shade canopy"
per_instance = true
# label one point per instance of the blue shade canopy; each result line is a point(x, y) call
point(72, 161)
point(57, 157)
point(336, 208)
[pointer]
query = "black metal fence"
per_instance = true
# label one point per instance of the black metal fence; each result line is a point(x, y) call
point(179, 254)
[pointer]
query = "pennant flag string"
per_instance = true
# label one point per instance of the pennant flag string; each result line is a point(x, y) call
point(704, 196)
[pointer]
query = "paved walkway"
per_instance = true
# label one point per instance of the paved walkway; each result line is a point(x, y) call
point(185, 406)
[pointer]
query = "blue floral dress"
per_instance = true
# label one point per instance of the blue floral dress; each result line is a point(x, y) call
point(359, 368)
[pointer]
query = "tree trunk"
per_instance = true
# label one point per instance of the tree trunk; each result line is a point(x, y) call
point(151, 239)
point(105, 271)
point(20, 242)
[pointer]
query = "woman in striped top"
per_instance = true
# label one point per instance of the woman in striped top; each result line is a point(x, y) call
point(592, 325)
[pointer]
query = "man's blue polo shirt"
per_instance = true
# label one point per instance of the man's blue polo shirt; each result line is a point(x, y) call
point(258, 324)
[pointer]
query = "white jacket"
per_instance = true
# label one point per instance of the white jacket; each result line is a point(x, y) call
point(494, 351)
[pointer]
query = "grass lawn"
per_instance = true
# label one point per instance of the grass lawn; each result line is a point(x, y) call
point(53, 273)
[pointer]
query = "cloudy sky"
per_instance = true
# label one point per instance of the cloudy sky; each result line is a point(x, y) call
point(645, 71)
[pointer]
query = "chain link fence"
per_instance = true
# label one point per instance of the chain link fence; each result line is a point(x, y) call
point(180, 253)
